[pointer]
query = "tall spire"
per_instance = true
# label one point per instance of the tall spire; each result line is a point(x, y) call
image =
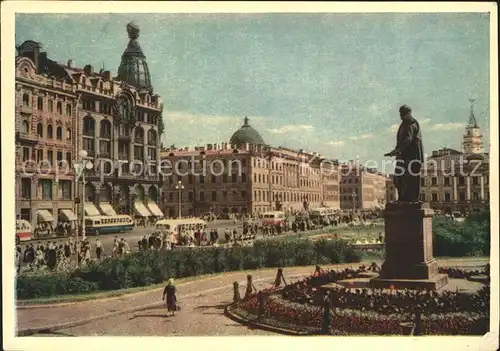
point(472, 118)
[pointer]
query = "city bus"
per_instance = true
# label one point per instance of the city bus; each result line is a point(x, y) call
point(108, 224)
point(174, 227)
point(23, 230)
point(273, 218)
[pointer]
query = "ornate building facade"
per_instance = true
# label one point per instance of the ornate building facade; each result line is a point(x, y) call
point(45, 119)
point(458, 181)
point(362, 188)
point(246, 176)
point(62, 109)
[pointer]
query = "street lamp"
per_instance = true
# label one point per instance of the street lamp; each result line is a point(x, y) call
point(354, 201)
point(80, 167)
point(179, 187)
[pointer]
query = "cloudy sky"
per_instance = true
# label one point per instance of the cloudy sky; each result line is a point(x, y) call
point(330, 83)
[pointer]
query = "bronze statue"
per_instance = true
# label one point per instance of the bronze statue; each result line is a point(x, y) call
point(409, 157)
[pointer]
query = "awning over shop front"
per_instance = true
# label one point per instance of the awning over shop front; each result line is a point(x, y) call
point(67, 215)
point(45, 216)
point(141, 210)
point(107, 209)
point(91, 210)
point(155, 210)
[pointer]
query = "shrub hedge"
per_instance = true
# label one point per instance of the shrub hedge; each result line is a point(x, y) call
point(151, 267)
point(468, 238)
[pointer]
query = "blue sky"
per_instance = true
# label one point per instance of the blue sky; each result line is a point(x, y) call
point(330, 83)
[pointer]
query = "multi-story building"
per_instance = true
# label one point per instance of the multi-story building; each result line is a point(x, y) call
point(248, 177)
point(458, 181)
point(62, 109)
point(361, 187)
point(45, 120)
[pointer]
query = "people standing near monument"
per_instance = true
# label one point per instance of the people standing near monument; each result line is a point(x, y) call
point(409, 157)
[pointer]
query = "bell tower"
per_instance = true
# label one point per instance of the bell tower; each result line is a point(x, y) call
point(473, 140)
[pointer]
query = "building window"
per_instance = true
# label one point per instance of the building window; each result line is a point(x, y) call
point(224, 195)
point(461, 181)
point(447, 196)
point(138, 151)
point(214, 196)
point(68, 134)
point(422, 181)
point(447, 181)
point(68, 159)
point(39, 130)
point(68, 110)
point(244, 195)
point(59, 108)
point(50, 106)
point(190, 179)
point(224, 178)
point(59, 157)
point(39, 155)
point(461, 196)
point(434, 181)
point(202, 179)
point(475, 180)
point(26, 100)
point(475, 196)
point(105, 129)
point(422, 197)
point(214, 179)
point(88, 145)
point(26, 154)
point(50, 157)
point(59, 133)
point(234, 177)
point(190, 196)
point(39, 104)
point(50, 134)
point(202, 196)
point(88, 126)
point(25, 127)
point(46, 185)
point(26, 188)
point(243, 178)
point(171, 196)
point(65, 189)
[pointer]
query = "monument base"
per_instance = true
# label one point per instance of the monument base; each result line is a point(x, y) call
point(435, 282)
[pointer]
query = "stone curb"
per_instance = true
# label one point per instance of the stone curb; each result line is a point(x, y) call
point(50, 328)
point(262, 326)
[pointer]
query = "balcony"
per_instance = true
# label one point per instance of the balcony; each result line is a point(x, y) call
point(27, 137)
point(26, 110)
point(139, 140)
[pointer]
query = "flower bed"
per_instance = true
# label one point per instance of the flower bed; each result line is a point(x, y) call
point(375, 312)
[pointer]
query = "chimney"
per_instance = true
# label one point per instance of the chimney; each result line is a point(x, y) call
point(88, 69)
point(70, 63)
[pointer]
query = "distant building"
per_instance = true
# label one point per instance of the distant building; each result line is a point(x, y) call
point(361, 188)
point(458, 181)
point(248, 177)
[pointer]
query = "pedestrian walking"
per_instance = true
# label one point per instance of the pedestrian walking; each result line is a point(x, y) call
point(170, 297)
point(98, 249)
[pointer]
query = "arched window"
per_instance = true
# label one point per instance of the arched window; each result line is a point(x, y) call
point(49, 131)
point(50, 106)
point(105, 129)
point(25, 127)
point(68, 134)
point(152, 137)
point(39, 130)
point(59, 133)
point(26, 99)
point(59, 108)
point(40, 103)
point(68, 110)
point(88, 126)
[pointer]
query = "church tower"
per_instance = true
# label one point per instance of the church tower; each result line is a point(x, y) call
point(473, 140)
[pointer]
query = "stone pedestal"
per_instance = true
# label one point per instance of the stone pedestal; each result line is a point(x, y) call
point(409, 263)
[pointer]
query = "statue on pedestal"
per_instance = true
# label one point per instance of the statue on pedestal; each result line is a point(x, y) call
point(409, 157)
